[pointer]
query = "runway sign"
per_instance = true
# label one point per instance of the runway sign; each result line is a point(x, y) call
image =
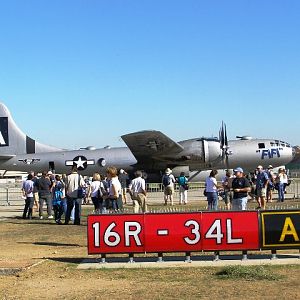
point(230, 231)
point(176, 232)
point(280, 230)
point(116, 234)
point(173, 232)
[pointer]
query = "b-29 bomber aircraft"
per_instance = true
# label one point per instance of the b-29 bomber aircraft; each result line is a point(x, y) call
point(149, 150)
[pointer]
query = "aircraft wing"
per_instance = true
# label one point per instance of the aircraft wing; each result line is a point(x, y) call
point(6, 157)
point(151, 143)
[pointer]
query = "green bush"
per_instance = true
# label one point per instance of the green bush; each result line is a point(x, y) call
point(248, 273)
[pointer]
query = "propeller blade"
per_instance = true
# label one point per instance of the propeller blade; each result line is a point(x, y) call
point(224, 143)
point(225, 137)
point(221, 135)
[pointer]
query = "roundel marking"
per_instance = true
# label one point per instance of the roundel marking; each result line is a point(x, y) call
point(81, 162)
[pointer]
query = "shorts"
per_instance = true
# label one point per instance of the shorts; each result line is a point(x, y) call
point(227, 196)
point(261, 192)
point(36, 197)
point(169, 190)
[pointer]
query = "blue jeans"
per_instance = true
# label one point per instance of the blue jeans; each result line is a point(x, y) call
point(239, 203)
point(281, 192)
point(212, 199)
point(72, 202)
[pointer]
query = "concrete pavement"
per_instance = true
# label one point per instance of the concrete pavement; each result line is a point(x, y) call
point(196, 261)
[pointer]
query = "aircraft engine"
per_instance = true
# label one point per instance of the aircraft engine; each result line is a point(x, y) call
point(212, 150)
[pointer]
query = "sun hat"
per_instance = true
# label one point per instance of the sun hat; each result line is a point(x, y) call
point(168, 171)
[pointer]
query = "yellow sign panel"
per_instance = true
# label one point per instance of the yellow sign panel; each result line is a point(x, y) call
point(280, 229)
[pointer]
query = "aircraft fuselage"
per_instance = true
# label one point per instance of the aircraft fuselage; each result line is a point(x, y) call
point(198, 154)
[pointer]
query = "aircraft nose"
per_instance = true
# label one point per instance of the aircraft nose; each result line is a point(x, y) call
point(296, 154)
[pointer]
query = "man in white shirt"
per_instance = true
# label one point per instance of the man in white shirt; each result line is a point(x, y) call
point(27, 189)
point(74, 183)
point(137, 191)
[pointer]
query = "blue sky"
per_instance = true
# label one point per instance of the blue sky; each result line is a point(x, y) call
point(83, 72)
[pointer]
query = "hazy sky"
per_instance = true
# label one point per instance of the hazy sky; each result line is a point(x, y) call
point(75, 73)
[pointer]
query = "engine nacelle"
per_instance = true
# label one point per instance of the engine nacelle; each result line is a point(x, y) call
point(200, 151)
point(212, 150)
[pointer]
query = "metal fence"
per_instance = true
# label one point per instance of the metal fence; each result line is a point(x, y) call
point(13, 195)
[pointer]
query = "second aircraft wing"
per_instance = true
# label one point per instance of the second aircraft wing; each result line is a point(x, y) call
point(151, 143)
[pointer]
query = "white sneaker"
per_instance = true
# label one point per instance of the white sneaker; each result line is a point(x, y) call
point(41, 217)
point(50, 217)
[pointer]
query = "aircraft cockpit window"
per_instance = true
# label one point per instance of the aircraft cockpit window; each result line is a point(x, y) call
point(261, 145)
point(272, 144)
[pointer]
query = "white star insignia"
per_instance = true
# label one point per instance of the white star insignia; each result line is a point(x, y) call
point(80, 163)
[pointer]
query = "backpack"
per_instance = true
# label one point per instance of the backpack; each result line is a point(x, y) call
point(181, 180)
point(101, 191)
point(57, 197)
point(166, 180)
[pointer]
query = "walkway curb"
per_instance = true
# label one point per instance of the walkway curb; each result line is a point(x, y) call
point(94, 263)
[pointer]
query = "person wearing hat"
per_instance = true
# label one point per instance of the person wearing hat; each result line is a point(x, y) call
point(168, 181)
point(271, 183)
point(241, 187)
point(262, 181)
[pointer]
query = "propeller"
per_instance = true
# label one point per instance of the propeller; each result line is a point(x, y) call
point(224, 143)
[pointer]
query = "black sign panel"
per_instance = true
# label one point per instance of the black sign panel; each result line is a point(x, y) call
point(4, 141)
point(280, 229)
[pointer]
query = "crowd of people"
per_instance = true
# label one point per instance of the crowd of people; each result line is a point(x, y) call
point(236, 187)
point(65, 194)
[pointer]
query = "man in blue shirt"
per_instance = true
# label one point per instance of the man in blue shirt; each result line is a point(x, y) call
point(261, 187)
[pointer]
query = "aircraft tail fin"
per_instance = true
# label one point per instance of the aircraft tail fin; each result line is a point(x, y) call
point(13, 141)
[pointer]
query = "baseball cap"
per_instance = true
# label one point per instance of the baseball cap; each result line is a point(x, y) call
point(270, 167)
point(238, 170)
point(259, 167)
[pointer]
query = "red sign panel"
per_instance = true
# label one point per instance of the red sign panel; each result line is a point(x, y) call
point(178, 232)
point(172, 232)
point(116, 234)
point(230, 231)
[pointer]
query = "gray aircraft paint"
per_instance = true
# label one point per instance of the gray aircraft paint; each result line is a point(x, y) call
point(151, 151)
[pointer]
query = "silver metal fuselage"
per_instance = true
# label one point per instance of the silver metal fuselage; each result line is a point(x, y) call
point(198, 154)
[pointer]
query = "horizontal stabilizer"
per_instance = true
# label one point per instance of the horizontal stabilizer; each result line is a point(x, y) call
point(150, 143)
